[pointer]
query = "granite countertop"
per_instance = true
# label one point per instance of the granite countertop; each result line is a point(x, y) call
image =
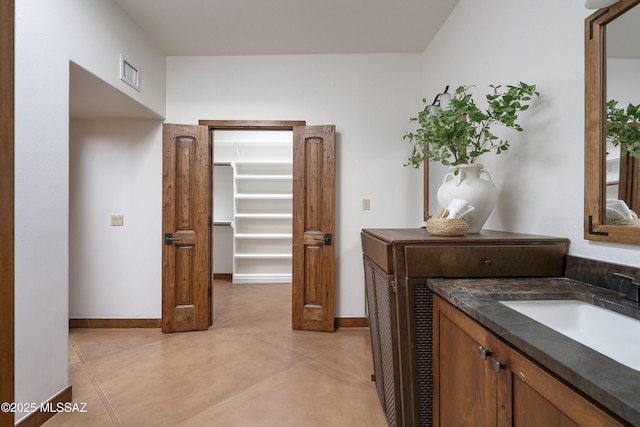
point(615, 386)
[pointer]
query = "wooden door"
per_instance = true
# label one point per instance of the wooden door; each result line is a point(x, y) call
point(313, 227)
point(465, 386)
point(629, 189)
point(533, 397)
point(186, 222)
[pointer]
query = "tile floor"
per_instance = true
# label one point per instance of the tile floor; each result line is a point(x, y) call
point(249, 369)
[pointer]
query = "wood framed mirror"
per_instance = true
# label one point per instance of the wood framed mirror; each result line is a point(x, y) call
point(597, 224)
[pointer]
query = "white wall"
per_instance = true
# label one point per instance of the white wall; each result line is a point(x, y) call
point(368, 97)
point(115, 168)
point(541, 176)
point(222, 212)
point(50, 34)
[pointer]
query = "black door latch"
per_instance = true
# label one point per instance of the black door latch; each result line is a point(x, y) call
point(169, 239)
point(328, 239)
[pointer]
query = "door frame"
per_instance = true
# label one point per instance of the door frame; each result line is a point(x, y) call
point(7, 197)
point(252, 124)
point(247, 125)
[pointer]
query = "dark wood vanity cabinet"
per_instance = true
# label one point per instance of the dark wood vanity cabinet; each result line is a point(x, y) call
point(397, 264)
point(479, 380)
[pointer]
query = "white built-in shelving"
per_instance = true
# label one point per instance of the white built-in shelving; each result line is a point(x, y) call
point(612, 170)
point(261, 202)
point(262, 240)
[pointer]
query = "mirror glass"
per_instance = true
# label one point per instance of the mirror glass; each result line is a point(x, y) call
point(623, 87)
point(612, 64)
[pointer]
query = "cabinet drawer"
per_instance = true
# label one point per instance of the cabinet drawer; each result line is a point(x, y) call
point(378, 251)
point(485, 260)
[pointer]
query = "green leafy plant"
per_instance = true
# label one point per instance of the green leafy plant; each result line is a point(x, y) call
point(623, 127)
point(460, 132)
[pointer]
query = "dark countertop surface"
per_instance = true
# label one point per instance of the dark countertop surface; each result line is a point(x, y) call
point(615, 386)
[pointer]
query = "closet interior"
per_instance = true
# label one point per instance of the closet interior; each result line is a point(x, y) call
point(252, 207)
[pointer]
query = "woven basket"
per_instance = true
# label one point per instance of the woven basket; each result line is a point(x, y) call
point(624, 221)
point(447, 227)
point(633, 221)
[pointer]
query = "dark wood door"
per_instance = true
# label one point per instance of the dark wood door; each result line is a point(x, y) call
point(186, 222)
point(629, 189)
point(313, 227)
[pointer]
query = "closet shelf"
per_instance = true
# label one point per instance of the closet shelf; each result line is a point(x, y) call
point(264, 215)
point(265, 196)
point(263, 235)
point(262, 278)
point(263, 177)
point(259, 144)
point(261, 163)
point(263, 256)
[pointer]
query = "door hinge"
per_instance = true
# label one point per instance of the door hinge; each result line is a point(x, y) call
point(210, 221)
point(209, 292)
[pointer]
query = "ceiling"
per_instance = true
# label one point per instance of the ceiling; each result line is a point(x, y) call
point(264, 27)
point(272, 27)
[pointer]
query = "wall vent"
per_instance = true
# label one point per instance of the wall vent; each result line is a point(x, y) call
point(129, 74)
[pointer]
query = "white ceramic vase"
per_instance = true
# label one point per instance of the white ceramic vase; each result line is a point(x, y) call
point(473, 184)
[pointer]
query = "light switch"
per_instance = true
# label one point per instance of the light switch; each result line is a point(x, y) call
point(117, 220)
point(366, 204)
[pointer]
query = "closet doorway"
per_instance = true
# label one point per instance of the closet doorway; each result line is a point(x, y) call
point(252, 205)
point(312, 219)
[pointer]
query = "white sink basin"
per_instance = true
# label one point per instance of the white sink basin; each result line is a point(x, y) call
point(607, 332)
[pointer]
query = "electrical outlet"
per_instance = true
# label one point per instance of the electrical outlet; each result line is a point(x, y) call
point(117, 220)
point(366, 204)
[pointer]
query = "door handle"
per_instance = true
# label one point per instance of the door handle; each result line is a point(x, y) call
point(485, 352)
point(169, 239)
point(327, 239)
point(498, 365)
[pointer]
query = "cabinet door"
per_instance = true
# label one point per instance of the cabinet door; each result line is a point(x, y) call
point(538, 399)
point(465, 386)
point(382, 325)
